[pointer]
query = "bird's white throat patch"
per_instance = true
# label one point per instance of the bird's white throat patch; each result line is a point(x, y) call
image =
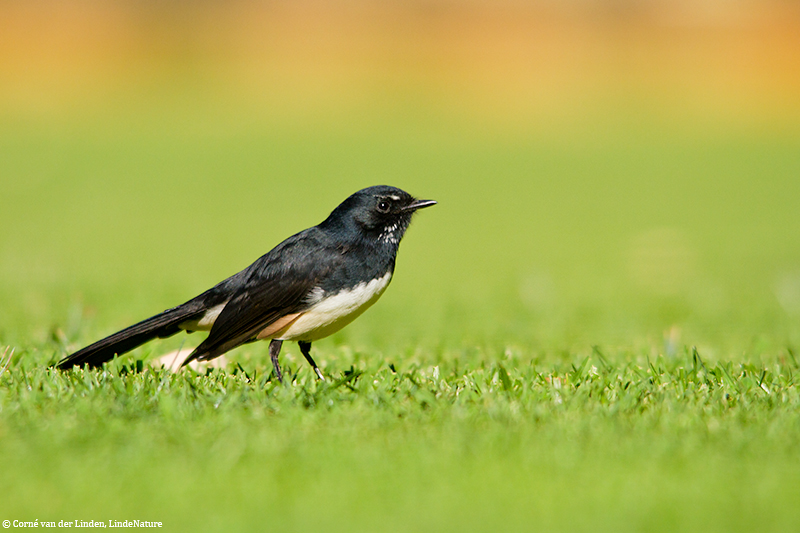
point(330, 312)
point(389, 234)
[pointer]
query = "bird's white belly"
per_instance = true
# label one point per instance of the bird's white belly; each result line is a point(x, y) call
point(333, 312)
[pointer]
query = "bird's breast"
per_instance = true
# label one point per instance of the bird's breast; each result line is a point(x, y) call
point(328, 313)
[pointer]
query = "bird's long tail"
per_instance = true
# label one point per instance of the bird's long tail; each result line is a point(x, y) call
point(161, 325)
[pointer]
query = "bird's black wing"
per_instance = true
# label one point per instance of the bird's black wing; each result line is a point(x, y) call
point(277, 284)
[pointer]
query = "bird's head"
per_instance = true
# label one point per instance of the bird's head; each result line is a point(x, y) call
point(381, 212)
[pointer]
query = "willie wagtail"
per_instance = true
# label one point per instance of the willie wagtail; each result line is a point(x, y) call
point(309, 286)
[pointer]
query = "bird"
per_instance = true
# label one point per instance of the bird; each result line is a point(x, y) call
point(307, 287)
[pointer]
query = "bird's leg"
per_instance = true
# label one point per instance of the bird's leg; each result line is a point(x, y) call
point(305, 347)
point(274, 350)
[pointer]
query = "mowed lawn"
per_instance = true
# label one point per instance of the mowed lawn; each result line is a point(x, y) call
point(597, 328)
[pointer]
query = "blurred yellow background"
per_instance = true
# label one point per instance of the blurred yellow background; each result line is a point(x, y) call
point(511, 60)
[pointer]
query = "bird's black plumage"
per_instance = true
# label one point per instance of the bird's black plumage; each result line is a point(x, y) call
point(294, 291)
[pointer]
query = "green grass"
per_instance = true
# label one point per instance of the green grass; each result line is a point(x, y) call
point(532, 366)
point(661, 445)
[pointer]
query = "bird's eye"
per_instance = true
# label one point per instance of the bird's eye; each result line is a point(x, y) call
point(383, 206)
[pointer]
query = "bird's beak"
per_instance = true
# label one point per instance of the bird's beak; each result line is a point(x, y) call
point(419, 204)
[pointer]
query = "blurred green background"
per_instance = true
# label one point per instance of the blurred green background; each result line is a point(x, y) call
point(604, 169)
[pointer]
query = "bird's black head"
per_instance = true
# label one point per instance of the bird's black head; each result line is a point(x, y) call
point(380, 213)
